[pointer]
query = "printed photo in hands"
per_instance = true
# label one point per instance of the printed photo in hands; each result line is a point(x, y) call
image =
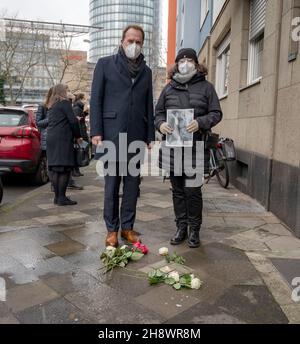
point(178, 120)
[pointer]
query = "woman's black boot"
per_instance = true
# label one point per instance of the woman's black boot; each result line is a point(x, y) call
point(194, 239)
point(180, 236)
point(65, 201)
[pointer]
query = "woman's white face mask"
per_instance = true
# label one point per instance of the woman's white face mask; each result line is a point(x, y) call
point(132, 50)
point(186, 67)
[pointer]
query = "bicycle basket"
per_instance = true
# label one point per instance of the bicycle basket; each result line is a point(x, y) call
point(228, 149)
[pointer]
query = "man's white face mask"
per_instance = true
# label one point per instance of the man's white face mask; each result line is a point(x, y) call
point(186, 67)
point(133, 51)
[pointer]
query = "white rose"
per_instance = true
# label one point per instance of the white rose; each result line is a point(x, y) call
point(124, 247)
point(110, 249)
point(163, 251)
point(195, 283)
point(174, 275)
point(192, 276)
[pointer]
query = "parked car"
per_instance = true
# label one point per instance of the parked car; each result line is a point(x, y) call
point(1, 190)
point(33, 107)
point(20, 150)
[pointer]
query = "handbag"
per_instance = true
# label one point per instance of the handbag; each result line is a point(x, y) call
point(82, 154)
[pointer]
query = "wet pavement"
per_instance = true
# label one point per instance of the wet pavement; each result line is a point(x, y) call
point(49, 259)
point(15, 186)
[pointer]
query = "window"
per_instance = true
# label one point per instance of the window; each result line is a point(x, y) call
point(217, 7)
point(204, 11)
point(12, 119)
point(256, 39)
point(255, 59)
point(222, 71)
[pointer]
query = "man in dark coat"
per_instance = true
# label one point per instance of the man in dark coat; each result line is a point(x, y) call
point(122, 103)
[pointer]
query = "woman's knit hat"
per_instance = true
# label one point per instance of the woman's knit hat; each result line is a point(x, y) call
point(188, 53)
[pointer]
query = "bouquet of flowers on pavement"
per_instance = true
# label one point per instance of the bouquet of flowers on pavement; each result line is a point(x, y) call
point(119, 257)
point(173, 278)
point(114, 257)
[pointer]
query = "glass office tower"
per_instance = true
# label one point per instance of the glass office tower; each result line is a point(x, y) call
point(114, 16)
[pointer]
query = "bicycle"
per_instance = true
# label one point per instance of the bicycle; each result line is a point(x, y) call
point(221, 151)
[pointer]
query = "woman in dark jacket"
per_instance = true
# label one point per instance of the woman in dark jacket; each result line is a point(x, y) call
point(42, 119)
point(42, 124)
point(63, 127)
point(188, 89)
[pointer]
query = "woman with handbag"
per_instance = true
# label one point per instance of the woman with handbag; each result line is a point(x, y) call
point(188, 89)
point(63, 128)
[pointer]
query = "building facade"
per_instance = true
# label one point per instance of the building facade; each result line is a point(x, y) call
point(172, 18)
point(252, 53)
point(26, 78)
point(158, 58)
point(32, 88)
point(114, 16)
point(35, 56)
point(79, 74)
point(188, 24)
point(195, 19)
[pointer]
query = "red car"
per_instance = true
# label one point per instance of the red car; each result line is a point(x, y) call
point(1, 190)
point(20, 149)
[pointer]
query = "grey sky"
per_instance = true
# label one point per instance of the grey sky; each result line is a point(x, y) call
point(69, 11)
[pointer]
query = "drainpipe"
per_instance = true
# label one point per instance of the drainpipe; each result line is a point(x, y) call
point(279, 18)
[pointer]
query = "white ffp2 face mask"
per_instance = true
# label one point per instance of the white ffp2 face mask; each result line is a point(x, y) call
point(133, 51)
point(186, 67)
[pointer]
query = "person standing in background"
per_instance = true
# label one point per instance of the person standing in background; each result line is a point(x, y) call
point(42, 122)
point(63, 128)
point(81, 113)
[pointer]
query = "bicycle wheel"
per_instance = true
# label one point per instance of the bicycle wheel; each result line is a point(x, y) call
point(222, 174)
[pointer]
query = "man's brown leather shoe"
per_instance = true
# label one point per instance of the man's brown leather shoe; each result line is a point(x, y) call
point(112, 239)
point(130, 235)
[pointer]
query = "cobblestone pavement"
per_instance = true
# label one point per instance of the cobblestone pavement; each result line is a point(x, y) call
point(49, 259)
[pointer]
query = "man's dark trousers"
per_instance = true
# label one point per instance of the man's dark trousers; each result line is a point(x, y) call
point(112, 217)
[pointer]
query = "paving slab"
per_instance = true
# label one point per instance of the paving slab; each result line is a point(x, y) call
point(70, 282)
point(58, 311)
point(238, 305)
point(166, 301)
point(65, 247)
point(22, 297)
point(104, 304)
point(288, 268)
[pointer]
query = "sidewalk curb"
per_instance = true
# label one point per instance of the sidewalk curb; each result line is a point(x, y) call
point(6, 208)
